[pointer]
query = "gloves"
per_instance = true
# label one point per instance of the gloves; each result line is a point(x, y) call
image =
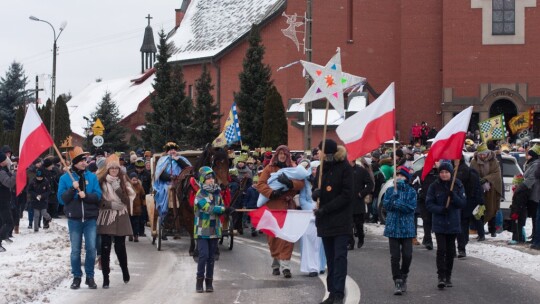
point(116, 205)
point(277, 193)
point(316, 194)
point(318, 212)
point(514, 216)
point(285, 180)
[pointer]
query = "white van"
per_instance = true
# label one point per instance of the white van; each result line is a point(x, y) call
point(510, 168)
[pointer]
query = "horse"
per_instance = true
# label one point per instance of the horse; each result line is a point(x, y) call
point(187, 187)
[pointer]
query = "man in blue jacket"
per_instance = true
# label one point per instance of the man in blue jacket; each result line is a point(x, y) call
point(81, 197)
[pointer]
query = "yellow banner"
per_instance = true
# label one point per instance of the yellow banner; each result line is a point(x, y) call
point(521, 121)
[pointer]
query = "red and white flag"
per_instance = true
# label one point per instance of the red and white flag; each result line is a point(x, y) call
point(366, 130)
point(448, 144)
point(288, 225)
point(35, 139)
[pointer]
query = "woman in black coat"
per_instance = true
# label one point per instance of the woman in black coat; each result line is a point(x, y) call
point(362, 186)
point(446, 220)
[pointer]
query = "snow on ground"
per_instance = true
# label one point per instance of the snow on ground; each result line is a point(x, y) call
point(37, 264)
point(34, 263)
point(495, 250)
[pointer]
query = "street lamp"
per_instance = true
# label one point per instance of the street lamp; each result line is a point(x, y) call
point(53, 81)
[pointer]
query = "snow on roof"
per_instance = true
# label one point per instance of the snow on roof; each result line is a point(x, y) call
point(210, 26)
point(126, 93)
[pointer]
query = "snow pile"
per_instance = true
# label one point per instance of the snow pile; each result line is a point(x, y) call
point(34, 263)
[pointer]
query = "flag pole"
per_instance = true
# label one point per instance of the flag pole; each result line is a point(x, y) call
point(63, 163)
point(394, 151)
point(453, 181)
point(322, 147)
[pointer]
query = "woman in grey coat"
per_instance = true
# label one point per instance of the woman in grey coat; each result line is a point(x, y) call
point(113, 220)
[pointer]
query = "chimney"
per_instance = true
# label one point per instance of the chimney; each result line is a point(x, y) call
point(181, 12)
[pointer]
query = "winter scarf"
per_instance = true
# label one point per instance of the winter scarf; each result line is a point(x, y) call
point(108, 216)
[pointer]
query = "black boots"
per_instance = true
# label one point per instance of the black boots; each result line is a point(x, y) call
point(398, 287)
point(199, 286)
point(91, 283)
point(76, 283)
point(209, 287)
point(448, 281)
point(441, 283)
point(106, 281)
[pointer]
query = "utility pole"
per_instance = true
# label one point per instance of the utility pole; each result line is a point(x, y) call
point(37, 91)
point(308, 115)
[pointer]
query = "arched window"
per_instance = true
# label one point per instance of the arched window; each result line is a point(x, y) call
point(504, 17)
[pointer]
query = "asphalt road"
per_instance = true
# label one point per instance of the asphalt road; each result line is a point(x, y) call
point(243, 275)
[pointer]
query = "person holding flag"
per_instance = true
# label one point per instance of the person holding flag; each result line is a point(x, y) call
point(7, 182)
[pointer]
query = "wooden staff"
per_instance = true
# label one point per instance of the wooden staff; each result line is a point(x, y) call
point(394, 151)
point(66, 168)
point(453, 181)
point(323, 146)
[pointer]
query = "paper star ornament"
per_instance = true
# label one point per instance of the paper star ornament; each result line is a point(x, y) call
point(329, 82)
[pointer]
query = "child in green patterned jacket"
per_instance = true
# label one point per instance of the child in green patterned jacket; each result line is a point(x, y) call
point(208, 206)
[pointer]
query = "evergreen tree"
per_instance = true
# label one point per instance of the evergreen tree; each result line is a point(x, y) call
point(275, 122)
point(205, 127)
point(134, 142)
point(13, 94)
point(45, 113)
point(114, 135)
point(62, 125)
point(172, 110)
point(19, 119)
point(254, 85)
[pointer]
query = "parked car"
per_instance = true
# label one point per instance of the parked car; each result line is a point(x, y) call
point(510, 168)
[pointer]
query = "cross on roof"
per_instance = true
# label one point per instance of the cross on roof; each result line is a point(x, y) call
point(148, 17)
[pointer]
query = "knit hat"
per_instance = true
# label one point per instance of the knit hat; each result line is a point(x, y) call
point(100, 163)
point(204, 172)
point(133, 158)
point(404, 171)
point(534, 149)
point(112, 162)
point(3, 157)
point(482, 148)
point(47, 162)
point(132, 175)
point(330, 146)
point(147, 154)
point(376, 154)
point(447, 166)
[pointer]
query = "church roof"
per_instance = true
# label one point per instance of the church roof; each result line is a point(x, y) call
point(210, 26)
point(126, 92)
point(148, 45)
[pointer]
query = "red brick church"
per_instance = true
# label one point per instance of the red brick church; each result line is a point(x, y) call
point(442, 55)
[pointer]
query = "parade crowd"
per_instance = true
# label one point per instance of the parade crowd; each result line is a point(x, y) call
point(103, 197)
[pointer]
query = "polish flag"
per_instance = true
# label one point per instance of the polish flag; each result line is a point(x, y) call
point(288, 225)
point(448, 144)
point(35, 139)
point(366, 130)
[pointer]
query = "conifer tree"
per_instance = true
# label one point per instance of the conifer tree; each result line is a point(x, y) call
point(172, 110)
point(114, 135)
point(275, 122)
point(62, 124)
point(45, 113)
point(13, 94)
point(205, 127)
point(254, 85)
point(19, 119)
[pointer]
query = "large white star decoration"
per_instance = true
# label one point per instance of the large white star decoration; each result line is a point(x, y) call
point(329, 82)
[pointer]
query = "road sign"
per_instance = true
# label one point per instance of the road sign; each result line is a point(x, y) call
point(97, 141)
point(98, 127)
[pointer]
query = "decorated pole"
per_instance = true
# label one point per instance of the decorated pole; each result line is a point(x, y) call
point(453, 181)
point(321, 166)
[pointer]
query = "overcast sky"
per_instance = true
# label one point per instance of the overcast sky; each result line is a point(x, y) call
point(101, 40)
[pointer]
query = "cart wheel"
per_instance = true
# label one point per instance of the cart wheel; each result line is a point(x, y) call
point(159, 234)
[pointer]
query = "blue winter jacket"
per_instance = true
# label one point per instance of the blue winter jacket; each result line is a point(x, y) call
point(400, 208)
point(446, 221)
point(73, 207)
point(251, 197)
